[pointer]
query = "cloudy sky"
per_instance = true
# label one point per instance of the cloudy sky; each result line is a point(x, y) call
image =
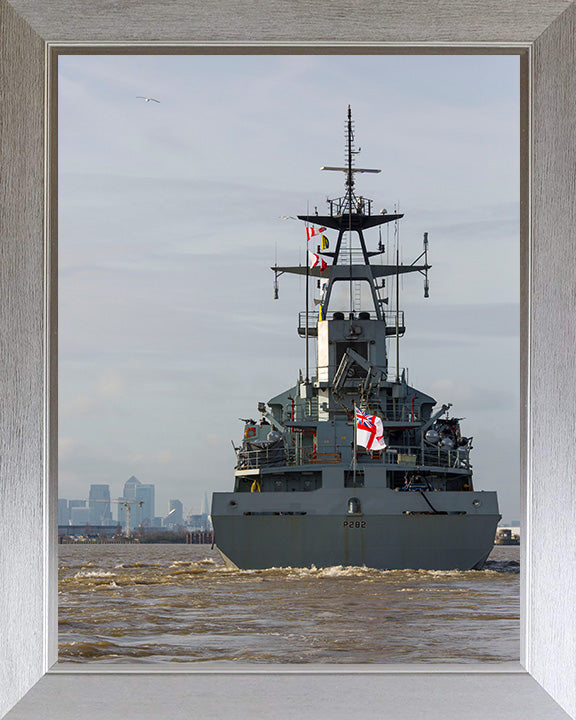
point(171, 216)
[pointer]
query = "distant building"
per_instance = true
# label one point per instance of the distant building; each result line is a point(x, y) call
point(80, 516)
point(205, 506)
point(130, 488)
point(175, 517)
point(507, 535)
point(77, 511)
point(145, 494)
point(121, 514)
point(129, 494)
point(137, 492)
point(63, 512)
point(199, 523)
point(99, 504)
point(83, 530)
point(76, 503)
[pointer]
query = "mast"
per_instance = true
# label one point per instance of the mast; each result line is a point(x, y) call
point(355, 449)
point(351, 214)
point(307, 378)
point(397, 303)
point(350, 184)
point(306, 329)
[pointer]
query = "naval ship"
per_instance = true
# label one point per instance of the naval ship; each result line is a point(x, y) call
point(352, 466)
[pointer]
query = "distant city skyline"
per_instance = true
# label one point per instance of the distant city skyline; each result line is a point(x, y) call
point(171, 214)
point(102, 507)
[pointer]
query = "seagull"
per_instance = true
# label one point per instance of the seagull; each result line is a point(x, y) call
point(147, 98)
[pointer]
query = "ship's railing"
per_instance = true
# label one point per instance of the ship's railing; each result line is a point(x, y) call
point(314, 315)
point(399, 412)
point(292, 453)
point(341, 205)
point(261, 457)
point(412, 455)
point(454, 458)
point(299, 456)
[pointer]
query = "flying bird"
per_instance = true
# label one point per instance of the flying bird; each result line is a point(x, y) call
point(147, 99)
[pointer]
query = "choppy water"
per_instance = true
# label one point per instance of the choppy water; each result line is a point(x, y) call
point(179, 603)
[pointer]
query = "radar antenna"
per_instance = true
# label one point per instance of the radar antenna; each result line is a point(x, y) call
point(352, 202)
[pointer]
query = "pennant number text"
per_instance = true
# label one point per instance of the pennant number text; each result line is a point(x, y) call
point(355, 523)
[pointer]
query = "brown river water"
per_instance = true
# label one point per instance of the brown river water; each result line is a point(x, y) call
point(179, 603)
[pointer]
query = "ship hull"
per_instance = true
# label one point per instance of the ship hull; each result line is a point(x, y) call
point(409, 538)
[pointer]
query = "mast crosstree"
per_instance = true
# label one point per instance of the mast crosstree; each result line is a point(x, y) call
point(353, 213)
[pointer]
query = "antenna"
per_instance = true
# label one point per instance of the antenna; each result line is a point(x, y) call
point(275, 271)
point(426, 283)
point(349, 169)
point(354, 169)
point(424, 269)
point(397, 237)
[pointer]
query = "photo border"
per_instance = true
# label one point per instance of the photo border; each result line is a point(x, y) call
point(29, 334)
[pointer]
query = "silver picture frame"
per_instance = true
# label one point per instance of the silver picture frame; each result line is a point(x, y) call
point(543, 684)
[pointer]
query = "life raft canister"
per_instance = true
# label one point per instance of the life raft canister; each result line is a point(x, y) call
point(250, 432)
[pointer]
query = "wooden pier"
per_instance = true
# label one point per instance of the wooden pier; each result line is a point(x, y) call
point(199, 538)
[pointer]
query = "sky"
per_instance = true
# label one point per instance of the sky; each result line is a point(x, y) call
point(172, 213)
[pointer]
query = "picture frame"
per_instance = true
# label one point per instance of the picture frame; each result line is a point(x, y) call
point(31, 35)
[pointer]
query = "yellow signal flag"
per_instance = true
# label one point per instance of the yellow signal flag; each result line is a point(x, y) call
point(324, 244)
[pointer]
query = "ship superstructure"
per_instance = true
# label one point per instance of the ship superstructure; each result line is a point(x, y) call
point(305, 492)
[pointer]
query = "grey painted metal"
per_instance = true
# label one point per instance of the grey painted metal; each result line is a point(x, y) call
point(298, 507)
point(548, 420)
point(326, 536)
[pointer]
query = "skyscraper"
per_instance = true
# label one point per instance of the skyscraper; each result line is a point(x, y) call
point(145, 494)
point(63, 512)
point(175, 517)
point(136, 492)
point(99, 504)
point(130, 488)
point(79, 515)
point(129, 493)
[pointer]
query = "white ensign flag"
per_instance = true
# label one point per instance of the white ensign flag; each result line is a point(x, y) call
point(369, 431)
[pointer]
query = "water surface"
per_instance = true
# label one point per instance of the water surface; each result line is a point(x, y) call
point(179, 603)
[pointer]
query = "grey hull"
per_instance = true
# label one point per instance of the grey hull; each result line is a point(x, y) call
point(396, 540)
point(352, 465)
